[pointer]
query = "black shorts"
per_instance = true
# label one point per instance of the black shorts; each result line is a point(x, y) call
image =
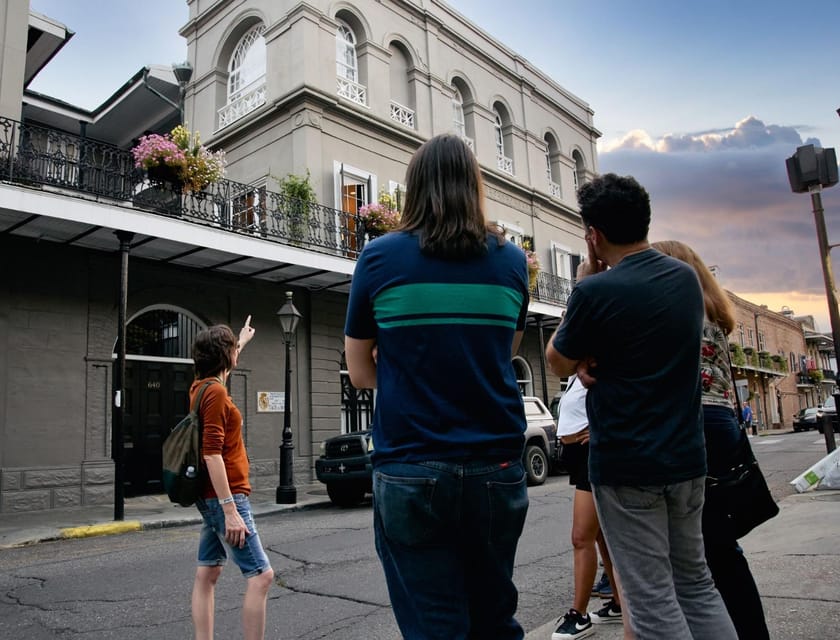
point(576, 459)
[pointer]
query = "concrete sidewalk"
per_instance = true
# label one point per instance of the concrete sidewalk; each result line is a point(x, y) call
point(146, 512)
point(795, 559)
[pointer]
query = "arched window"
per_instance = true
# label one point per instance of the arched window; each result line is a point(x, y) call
point(162, 332)
point(524, 378)
point(458, 122)
point(552, 165)
point(402, 89)
point(246, 77)
point(500, 123)
point(347, 65)
point(498, 136)
point(580, 169)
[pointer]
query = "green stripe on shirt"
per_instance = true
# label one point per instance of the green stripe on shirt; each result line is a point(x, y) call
point(439, 303)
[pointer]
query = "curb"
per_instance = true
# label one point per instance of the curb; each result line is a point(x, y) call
point(145, 523)
point(103, 529)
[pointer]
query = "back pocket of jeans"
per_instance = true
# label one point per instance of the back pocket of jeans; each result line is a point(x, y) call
point(508, 502)
point(406, 509)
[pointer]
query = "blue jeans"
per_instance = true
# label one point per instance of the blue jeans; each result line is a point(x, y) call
point(446, 534)
point(655, 541)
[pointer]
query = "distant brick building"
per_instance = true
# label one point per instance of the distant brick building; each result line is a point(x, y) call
point(768, 351)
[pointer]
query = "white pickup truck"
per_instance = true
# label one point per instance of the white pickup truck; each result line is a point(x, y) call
point(344, 465)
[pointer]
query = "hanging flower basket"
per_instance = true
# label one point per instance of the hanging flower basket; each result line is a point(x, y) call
point(178, 158)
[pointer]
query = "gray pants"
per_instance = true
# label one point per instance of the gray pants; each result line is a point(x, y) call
point(656, 544)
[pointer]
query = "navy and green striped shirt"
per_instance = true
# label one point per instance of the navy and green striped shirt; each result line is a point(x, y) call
point(446, 388)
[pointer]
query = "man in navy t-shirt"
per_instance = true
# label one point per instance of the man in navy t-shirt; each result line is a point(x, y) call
point(632, 332)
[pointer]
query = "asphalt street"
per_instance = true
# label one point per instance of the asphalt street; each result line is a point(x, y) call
point(330, 585)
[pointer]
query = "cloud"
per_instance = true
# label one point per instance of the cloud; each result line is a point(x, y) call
point(726, 193)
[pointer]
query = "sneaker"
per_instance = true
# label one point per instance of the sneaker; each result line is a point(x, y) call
point(607, 614)
point(574, 625)
point(602, 588)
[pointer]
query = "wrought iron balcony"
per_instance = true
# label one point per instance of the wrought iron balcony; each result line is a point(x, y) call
point(551, 289)
point(39, 157)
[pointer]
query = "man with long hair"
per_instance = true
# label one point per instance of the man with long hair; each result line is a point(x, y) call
point(437, 309)
point(632, 333)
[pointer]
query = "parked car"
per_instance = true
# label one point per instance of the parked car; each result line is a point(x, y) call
point(805, 419)
point(345, 467)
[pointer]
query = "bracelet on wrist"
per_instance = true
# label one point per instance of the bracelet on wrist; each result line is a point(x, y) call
point(227, 500)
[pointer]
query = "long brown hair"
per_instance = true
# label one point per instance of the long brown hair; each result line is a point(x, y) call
point(444, 200)
point(719, 308)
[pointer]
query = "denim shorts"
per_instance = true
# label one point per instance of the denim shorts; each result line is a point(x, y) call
point(212, 547)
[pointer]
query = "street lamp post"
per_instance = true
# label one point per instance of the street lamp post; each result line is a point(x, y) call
point(183, 72)
point(809, 170)
point(289, 317)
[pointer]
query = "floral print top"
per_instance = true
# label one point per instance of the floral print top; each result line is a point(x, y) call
point(715, 375)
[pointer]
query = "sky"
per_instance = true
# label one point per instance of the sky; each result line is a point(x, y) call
point(701, 101)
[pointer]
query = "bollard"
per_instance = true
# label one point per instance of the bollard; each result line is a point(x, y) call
point(828, 432)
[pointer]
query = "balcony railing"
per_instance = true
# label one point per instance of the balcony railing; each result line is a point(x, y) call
point(555, 190)
point(37, 156)
point(551, 289)
point(40, 157)
point(505, 164)
point(352, 91)
point(402, 114)
point(245, 103)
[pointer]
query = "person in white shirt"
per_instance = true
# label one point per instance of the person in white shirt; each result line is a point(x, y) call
point(573, 431)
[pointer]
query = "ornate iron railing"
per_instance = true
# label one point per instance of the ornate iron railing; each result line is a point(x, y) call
point(39, 156)
point(552, 289)
point(32, 155)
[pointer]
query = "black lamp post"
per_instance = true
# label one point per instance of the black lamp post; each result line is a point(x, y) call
point(810, 170)
point(183, 72)
point(289, 317)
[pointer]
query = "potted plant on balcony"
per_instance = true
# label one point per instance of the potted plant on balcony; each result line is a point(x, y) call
point(738, 357)
point(816, 375)
point(533, 268)
point(298, 196)
point(378, 219)
point(179, 160)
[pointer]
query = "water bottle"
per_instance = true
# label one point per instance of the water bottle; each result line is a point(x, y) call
point(190, 473)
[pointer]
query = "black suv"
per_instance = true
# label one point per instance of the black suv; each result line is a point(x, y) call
point(344, 465)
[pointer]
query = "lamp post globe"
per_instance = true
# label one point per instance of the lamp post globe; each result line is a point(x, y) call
point(289, 318)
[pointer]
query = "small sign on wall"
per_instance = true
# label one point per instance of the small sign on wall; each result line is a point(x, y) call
point(271, 402)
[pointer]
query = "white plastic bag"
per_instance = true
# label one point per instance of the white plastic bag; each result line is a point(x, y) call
point(813, 476)
point(831, 479)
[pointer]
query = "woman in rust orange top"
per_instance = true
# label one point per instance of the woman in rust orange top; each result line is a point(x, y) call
point(224, 507)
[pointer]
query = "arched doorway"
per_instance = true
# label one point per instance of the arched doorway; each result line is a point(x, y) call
point(524, 377)
point(158, 375)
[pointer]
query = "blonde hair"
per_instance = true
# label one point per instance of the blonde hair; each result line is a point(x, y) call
point(719, 308)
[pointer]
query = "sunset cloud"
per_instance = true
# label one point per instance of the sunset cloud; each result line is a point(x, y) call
point(726, 193)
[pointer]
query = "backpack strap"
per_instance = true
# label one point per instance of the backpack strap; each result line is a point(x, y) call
point(196, 408)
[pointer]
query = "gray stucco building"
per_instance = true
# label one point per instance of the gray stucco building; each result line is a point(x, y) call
point(342, 91)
